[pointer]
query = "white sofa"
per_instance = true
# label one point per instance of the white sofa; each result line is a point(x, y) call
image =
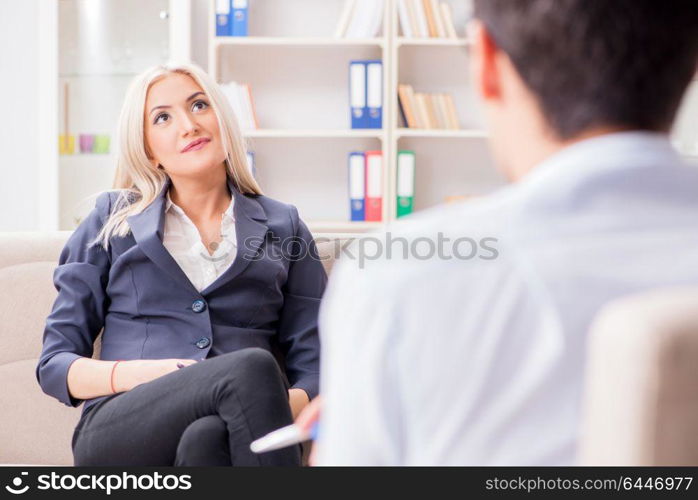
point(35, 428)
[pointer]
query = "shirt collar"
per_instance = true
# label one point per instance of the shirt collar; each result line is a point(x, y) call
point(590, 157)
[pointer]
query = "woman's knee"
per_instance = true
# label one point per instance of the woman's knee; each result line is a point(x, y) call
point(256, 362)
point(204, 442)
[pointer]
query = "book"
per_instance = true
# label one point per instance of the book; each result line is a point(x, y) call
point(447, 16)
point(357, 185)
point(223, 26)
point(431, 113)
point(250, 110)
point(376, 19)
point(404, 17)
point(251, 167)
point(451, 111)
point(238, 17)
point(438, 20)
point(406, 105)
point(409, 92)
point(405, 182)
point(366, 19)
point(423, 116)
point(374, 186)
point(412, 16)
point(345, 18)
point(357, 94)
point(240, 98)
point(431, 22)
point(374, 94)
point(420, 15)
point(440, 111)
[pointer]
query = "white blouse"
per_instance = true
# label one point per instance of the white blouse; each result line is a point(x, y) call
point(181, 238)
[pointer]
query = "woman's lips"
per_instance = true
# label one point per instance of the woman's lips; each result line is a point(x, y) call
point(198, 144)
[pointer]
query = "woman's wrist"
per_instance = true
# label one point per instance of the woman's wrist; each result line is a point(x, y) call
point(118, 379)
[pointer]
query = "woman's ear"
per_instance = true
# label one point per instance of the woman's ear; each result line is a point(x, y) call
point(151, 159)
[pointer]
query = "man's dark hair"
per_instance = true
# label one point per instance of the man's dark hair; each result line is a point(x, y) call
point(592, 63)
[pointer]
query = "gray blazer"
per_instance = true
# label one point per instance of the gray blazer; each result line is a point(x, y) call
point(268, 298)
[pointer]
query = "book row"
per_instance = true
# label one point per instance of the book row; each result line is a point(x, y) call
point(359, 18)
point(427, 111)
point(426, 19)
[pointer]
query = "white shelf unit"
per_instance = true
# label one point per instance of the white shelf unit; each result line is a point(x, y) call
point(299, 41)
point(433, 42)
point(449, 163)
point(299, 78)
point(316, 134)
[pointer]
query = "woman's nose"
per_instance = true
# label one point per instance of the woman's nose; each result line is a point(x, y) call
point(189, 125)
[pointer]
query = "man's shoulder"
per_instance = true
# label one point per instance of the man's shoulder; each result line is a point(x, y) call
point(451, 240)
point(477, 215)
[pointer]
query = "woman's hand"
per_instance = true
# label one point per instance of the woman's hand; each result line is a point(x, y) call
point(129, 374)
point(307, 418)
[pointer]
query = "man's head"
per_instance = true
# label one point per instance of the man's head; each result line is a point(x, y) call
point(562, 70)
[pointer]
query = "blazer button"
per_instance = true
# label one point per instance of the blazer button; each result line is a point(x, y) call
point(203, 343)
point(198, 306)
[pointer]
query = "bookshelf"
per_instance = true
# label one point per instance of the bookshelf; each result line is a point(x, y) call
point(301, 156)
point(298, 41)
point(316, 134)
point(431, 42)
point(301, 94)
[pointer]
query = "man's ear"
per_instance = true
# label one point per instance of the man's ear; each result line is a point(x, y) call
point(484, 61)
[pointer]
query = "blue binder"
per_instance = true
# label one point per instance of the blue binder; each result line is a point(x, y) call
point(238, 14)
point(223, 26)
point(374, 94)
point(357, 93)
point(251, 164)
point(357, 185)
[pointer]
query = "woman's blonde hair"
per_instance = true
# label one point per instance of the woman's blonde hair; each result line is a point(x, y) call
point(138, 182)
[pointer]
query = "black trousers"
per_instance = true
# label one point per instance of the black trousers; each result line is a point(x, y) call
point(207, 413)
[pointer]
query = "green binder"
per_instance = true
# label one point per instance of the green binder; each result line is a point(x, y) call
point(405, 182)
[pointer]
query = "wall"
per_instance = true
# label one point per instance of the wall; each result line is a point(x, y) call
point(28, 190)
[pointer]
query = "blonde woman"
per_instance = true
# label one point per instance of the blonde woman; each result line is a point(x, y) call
point(203, 286)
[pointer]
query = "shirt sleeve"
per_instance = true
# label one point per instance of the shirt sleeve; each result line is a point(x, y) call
point(423, 361)
point(298, 324)
point(359, 323)
point(77, 315)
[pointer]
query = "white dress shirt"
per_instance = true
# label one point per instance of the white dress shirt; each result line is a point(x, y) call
point(182, 239)
point(481, 361)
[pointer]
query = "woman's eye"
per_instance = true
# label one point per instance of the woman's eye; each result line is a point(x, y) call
point(201, 105)
point(161, 115)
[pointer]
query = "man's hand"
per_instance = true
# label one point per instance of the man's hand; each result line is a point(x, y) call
point(307, 418)
point(297, 399)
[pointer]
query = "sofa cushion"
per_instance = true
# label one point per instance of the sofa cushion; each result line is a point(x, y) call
point(34, 429)
point(28, 294)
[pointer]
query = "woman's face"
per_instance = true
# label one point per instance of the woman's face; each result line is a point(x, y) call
point(181, 128)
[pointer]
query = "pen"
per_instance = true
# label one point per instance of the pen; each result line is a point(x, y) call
point(283, 437)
